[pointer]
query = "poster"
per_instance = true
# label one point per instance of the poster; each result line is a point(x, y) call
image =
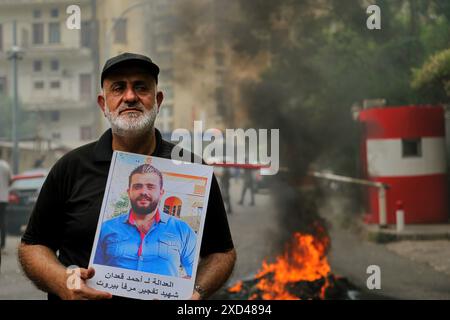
point(149, 232)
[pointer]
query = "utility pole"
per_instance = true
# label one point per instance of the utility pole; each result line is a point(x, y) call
point(15, 54)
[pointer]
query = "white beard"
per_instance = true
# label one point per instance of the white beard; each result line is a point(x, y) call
point(131, 124)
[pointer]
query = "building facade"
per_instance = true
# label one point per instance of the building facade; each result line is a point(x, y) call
point(57, 72)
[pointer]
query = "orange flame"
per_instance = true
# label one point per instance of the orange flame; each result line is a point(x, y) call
point(304, 260)
point(236, 288)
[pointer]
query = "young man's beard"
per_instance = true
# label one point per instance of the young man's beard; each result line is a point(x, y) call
point(132, 124)
point(144, 210)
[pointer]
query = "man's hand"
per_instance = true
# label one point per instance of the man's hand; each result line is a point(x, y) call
point(213, 271)
point(196, 296)
point(83, 292)
point(48, 274)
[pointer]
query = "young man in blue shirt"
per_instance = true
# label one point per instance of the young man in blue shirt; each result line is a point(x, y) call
point(146, 239)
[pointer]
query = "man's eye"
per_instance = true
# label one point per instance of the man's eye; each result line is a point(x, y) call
point(117, 88)
point(140, 88)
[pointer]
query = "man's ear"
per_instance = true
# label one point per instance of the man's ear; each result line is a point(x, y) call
point(159, 99)
point(101, 102)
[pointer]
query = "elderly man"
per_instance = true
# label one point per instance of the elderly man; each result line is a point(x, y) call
point(146, 239)
point(65, 216)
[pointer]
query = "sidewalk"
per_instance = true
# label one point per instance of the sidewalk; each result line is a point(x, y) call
point(410, 232)
point(409, 269)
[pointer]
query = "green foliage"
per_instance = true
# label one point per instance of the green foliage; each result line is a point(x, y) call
point(325, 61)
point(121, 206)
point(434, 74)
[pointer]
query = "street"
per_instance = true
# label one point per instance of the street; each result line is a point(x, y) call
point(404, 275)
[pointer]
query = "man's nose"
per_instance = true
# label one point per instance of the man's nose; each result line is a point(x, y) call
point(130, 95)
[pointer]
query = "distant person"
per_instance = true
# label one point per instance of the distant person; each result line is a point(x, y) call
point(225, 186)
point(248, 185)
point(145, 239)
point(5, 181)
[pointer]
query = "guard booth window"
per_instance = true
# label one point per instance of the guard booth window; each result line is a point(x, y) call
point(411, 148)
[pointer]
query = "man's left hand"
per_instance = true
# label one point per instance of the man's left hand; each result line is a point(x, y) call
point(196, 296)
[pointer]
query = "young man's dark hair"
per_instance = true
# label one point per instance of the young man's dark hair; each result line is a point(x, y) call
point(146, 168)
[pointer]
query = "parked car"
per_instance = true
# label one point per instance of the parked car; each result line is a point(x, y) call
point(23, 194)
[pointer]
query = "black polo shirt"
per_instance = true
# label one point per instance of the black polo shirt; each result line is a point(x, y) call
point(66, 213)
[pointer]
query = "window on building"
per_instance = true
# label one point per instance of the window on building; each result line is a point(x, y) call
point(3, 87)
point(56, 135)
point(54, 13)
point(120, 31)
point(37, 13)
point(85, 133)
point(38, 33)
point(54, 32)
point(56, 84)
point(85, 86)
point(39, 84)
point(54, 116)
point(1, 37)
point(54, 65)
point(37, 65)
point(411, 148)
point(86, 35)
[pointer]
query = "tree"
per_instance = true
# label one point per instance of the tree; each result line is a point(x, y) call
point(433, 78)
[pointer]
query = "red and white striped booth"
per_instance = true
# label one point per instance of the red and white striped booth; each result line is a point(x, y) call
point(404, 147)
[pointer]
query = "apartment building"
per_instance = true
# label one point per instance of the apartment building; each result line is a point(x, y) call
point(57, 69)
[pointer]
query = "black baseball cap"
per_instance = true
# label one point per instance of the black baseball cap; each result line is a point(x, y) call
point(122, 58)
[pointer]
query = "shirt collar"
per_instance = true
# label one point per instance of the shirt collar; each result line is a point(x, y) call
point(103, 147)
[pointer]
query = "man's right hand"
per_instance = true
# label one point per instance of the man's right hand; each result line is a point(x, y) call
point(82, 291)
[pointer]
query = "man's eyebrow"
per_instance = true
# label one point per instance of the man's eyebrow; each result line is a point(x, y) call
point(143, 82)
point(141, 184)
point(116, 82)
